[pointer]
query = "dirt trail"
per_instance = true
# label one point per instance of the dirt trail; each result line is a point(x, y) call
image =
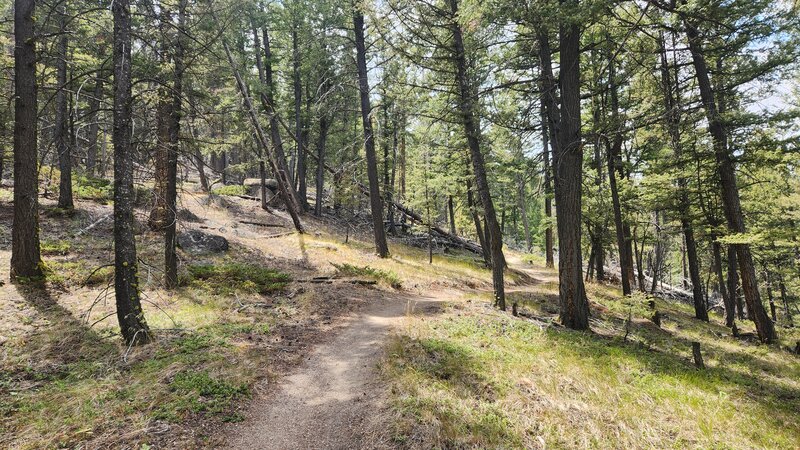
point(333, 400)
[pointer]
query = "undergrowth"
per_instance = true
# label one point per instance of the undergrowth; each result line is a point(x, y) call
point(227, 278)
point(382, 276)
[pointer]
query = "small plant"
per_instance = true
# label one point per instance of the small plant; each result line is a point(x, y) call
point(382, 276)
point(200, 392)
point(90, 188)
point(231, 277)
point(233, 189)
point(55, 247)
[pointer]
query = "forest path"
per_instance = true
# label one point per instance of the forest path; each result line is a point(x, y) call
point(333, 400)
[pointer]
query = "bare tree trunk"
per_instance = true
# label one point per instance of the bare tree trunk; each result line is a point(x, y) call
point(727, 299)
point(476, 218)
point(158, 213)
point(170, 233)
point(323, 136)
point(785, 300)
point(473, 135)
point(376, 203)
point(730, 190)
point(548, 189)
point(284, 187)
point(452, 214)
point(61, 126)
point(523, 210)
point(268, 101)
point(94, 126)
point(672, 107)
point(733, 282)
point(770, 298)
point(25, 257)
point(126, 285)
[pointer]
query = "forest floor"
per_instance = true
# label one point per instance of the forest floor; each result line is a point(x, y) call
point(253, 352)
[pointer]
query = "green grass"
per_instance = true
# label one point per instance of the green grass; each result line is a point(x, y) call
point(232, 189)
point(89, 188)
point(57, 247)
point(480, 378)
point(227, 278)
point(382, 276)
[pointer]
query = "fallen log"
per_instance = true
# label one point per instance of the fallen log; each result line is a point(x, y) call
point(261, 224)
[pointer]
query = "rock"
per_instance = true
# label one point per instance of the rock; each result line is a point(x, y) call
point(253, 186)
point(185, 215)
point(195, 241)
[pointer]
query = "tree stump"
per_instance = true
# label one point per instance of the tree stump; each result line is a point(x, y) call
point(698, 357)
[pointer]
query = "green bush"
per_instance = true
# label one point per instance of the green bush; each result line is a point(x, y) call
point(90, 188)
point(384, 276)
point(233, 189)
point(225, 278)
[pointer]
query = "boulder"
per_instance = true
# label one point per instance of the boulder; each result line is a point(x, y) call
point(195, 241)
point(253, 186)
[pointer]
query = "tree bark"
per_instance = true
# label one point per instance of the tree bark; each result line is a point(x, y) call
point(452, 214)
point(523, 211)
point(60, 132)
point(473, 136)
point(322, 139)
point(730, 190)
point(94, 123)
point(568, 164)
point(376, 203)
point(170, 233)
point(158, 214)
point(548, 188)
point(615, 168)
point(733, 282)
point(268, 101)
point(126, 285)
point(25, 257)
point(672, 117)
point(727, 299)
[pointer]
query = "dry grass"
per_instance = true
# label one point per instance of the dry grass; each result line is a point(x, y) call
point(480, 378)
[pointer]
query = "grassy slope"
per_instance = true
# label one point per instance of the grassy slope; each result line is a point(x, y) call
point(475, 377)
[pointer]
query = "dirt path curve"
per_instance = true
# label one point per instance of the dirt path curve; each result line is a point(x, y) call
point(331, 401)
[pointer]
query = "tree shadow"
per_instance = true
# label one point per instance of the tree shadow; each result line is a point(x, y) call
point(60, 341)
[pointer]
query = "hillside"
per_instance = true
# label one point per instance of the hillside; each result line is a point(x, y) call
point(255, 349)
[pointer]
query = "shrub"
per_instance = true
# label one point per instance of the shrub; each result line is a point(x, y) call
point(384, 276)
point(230, 277)
point(233, 189)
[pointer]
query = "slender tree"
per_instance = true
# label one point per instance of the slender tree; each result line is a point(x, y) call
point(126, 284)
point(376, 203)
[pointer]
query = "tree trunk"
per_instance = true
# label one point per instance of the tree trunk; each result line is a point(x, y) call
point(568, 164)
point(727, 299)
point(158, 214)
point(730, 190)
point(451, 210)
point(770, 298)
point(615, 168)
point(376, 203)
point(548, 189)
point(284, 187)
point(476, 218)
point(785, 300)
point(322, 139)
point(268, 101)
point(170, 234)
point(126, 285)
point(94, 123)
point(672, 107)
point(60, 136)
point(25, 257)
point(300, 129)
point(733, 282)
point(523, 210)
point(473, 136)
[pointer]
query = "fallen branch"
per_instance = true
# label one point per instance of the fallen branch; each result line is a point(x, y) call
point(260, 224)
point(90, 227)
